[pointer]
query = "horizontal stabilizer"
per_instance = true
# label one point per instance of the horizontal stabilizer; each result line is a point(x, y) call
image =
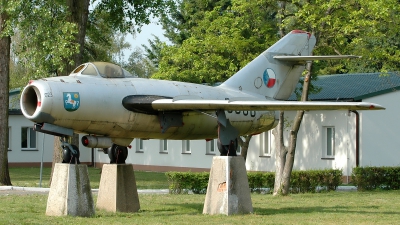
point(303, 59)
point(169, 104)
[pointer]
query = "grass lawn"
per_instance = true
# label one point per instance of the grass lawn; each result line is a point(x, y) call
point(30, 177)
point(379, 207)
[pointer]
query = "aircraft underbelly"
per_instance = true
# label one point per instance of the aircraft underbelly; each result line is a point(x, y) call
point(195, 126)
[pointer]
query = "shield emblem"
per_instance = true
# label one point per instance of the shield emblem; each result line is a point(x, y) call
point(71, 101)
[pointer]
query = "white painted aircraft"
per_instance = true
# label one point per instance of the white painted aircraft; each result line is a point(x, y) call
point(113, 107)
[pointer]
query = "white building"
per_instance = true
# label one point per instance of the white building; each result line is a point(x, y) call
point(327, 139)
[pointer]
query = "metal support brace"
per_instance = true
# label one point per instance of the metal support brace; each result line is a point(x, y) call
point(226, 132)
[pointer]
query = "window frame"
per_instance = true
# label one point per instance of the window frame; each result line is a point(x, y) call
point(265, 144)
point(211, 147)
point(186, 147)
point(28, 147)
point(326, 141)
point(139, 145)
point(164, 146)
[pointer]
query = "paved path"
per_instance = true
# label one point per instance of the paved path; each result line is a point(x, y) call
point(7, 190)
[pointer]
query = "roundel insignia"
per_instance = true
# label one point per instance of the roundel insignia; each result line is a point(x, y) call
point(269, 78)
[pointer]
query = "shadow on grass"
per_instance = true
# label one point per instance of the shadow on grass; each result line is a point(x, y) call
point(194, 207)
point(304, 210)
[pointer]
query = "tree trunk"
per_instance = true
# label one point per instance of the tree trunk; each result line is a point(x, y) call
point(57, 155)
point(79, 12)
point(285, 155)
point(5, 42)
point(245, 145)
point(280, 154)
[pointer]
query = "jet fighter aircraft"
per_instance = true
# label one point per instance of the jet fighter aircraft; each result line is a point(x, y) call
point(112, 107)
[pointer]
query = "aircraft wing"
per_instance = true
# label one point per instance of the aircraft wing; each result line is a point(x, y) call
point(303, 59)
point(258, 105)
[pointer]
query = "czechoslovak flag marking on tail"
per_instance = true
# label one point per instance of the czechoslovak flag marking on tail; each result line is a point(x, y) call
point(269, 78)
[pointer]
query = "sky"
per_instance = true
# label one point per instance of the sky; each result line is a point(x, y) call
point(143, 36)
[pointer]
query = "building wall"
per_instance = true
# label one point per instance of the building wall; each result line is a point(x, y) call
point(18, 156)
point(379, 144)
point(380, 132)
point(310, 143)
point(153, 157)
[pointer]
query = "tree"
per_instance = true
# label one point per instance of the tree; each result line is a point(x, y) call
point(54, 44)
point(224, 37)
point(223, 42)
point(185, 15)
point(5, 41)
point(340, 27)
point(139, 65)
point(178, 23)
point(123, 17)
point(153, 53)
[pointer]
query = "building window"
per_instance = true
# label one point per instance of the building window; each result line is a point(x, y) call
point(211, 147)
point(265, 144)
point(163, 146)
point(9, 138)
point(139, 145)
point(186, 147)
point(328, 142)
point(28, 138)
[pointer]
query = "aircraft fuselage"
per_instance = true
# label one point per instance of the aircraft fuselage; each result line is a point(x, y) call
point(93, 105)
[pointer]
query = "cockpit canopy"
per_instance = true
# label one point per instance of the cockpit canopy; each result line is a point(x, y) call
point(103, 69)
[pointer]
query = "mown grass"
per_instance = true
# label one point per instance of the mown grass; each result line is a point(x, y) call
point(30, 177)
point(379, 207)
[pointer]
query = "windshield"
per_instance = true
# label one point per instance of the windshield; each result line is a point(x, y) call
point(104, 69)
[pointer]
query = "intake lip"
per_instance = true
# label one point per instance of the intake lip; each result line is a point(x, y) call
point(30, 101)
point(33, 105)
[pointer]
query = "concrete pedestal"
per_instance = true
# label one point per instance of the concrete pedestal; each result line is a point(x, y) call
point(70, 192)
point(117, 190)
point(228, 189)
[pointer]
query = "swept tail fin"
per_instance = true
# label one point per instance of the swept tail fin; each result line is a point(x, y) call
point(273, 78)
point(276, 72)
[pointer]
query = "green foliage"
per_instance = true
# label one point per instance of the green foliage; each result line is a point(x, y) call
point(301, 181)
point(153, 52)
point(261, 180)
point(139, 65)
point(371, 178)
point(310, 180)
point(102, 41)
point(182, 182)
point(130, 15)
point(45, 42)
point(366, 28)
point(185, 15)
point(222, 42)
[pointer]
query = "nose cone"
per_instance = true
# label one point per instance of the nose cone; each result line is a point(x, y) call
point(36, 102)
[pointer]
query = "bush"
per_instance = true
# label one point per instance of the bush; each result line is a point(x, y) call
point(183, 182)
point(371, 178)
point(301, 181)
point(314, 180)
point(259, 181)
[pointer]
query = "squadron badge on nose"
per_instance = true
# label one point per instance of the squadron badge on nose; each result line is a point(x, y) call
point(71, 101)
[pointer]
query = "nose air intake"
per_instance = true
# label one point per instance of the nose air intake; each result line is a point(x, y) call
point(30, 101)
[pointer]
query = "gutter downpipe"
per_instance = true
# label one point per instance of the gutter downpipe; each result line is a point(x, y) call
point(357, 137)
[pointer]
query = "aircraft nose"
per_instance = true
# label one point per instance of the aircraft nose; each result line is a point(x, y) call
point(34, 104)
